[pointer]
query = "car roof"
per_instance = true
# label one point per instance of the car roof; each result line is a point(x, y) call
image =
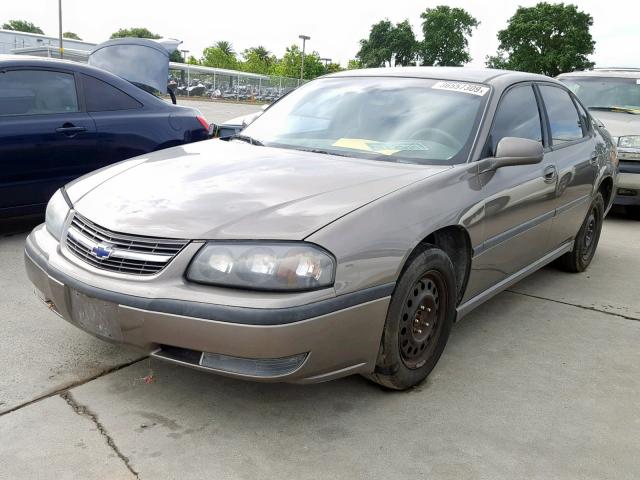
point(462, 74)
point(32, 61)
point(604, 72)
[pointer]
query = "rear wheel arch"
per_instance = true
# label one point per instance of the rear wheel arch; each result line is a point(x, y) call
point(606, 190)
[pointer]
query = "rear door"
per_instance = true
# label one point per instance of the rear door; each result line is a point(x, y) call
point(45, 136)
point(573, 150)
point(520, 200)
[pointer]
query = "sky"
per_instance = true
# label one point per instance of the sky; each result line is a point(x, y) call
point(335, 26)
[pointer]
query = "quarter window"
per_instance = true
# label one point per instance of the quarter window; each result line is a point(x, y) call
point(517, 116)
point(564, 122)
point(37, 92)
point(102, 97)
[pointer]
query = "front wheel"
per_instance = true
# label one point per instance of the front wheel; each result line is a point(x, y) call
point(419, 320)
point(586, 241)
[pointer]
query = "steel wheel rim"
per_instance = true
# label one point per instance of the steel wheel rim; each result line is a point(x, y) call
point(588, 242)
point(422, 318)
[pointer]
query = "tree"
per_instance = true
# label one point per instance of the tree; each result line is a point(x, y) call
point(446, 36)
point(136, 32)
point(354, 64)
point(176, 56)
point(71, 35)
point(388, 45)
point(289, 65)
point(258, 60)
point(548, 38)
point(225, 47)
point(333, 67)
point(214, 56)
point(403, 44)
point(22, 26)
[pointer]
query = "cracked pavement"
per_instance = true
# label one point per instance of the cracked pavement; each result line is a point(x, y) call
point(541, 382)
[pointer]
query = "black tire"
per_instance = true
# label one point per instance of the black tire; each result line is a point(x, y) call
point(587, 239)
point(419, 320)
point(633, 212)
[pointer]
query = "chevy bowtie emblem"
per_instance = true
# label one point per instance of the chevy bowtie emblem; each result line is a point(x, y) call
point(102, 251)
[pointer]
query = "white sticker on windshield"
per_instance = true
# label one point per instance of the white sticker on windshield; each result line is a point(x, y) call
point(638, 81)
point(472, 88)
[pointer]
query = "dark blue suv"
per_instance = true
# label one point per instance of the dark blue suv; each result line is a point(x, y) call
point(60, 120)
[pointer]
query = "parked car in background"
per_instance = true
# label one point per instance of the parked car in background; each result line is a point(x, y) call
point(60, 120)
point(613, 95)
point(234, 126)
point(342, 232)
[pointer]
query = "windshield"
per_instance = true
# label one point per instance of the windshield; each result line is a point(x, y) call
point(382, 118)
point(608, 93)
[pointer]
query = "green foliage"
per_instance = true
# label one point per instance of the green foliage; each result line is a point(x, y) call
point(354, 64)
point(136, 32)
point(289, 65)
point(258, 60)
point(225, 47)
point(22, 26)
point(547, 38)
point(176, 56)
point(388, 45)
point(446, 36)
point(214, 56)
point(403, 44)
point(333, 67)
point(71, 35)
point(193, 60)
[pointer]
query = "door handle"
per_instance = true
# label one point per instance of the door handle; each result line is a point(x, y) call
point(550, 174)
point(70, 130)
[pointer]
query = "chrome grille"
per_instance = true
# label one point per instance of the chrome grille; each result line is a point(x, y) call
point(118, 252)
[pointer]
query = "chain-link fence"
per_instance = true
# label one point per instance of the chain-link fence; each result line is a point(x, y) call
point(221, 84)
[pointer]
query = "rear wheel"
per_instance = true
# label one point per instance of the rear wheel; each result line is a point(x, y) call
point(419, 320)
point(586, 241)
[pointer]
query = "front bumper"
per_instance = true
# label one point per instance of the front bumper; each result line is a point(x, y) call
point(312, 342)
point(628, 184)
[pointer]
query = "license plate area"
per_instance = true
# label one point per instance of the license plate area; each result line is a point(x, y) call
point(95, 316)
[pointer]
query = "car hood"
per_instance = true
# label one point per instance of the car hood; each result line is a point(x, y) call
point(233, 190)
point(619, 123)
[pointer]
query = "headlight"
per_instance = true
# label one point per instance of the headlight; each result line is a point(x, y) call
point(282, 266)
point(57, 210)
point(629, 141)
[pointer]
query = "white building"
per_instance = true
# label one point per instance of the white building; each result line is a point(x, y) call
point(12, 41)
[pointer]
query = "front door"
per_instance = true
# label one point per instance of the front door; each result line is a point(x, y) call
point(520, 200)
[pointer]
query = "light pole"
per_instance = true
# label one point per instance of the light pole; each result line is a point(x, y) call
point(184, 57)
point(326, 61)
point(304, 39)
point(60, 28)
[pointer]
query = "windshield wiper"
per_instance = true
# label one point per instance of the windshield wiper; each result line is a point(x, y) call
point(631, 110)
point(247, 138)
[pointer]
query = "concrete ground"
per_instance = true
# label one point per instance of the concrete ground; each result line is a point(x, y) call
point(542, 382)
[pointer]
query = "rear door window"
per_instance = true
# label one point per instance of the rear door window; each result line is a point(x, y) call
point(517, 116)
point(564, 121)
point(37, 92)
point(102, 97)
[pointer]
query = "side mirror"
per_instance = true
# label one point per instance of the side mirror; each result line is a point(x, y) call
point(513, 151)
point(214, 130)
